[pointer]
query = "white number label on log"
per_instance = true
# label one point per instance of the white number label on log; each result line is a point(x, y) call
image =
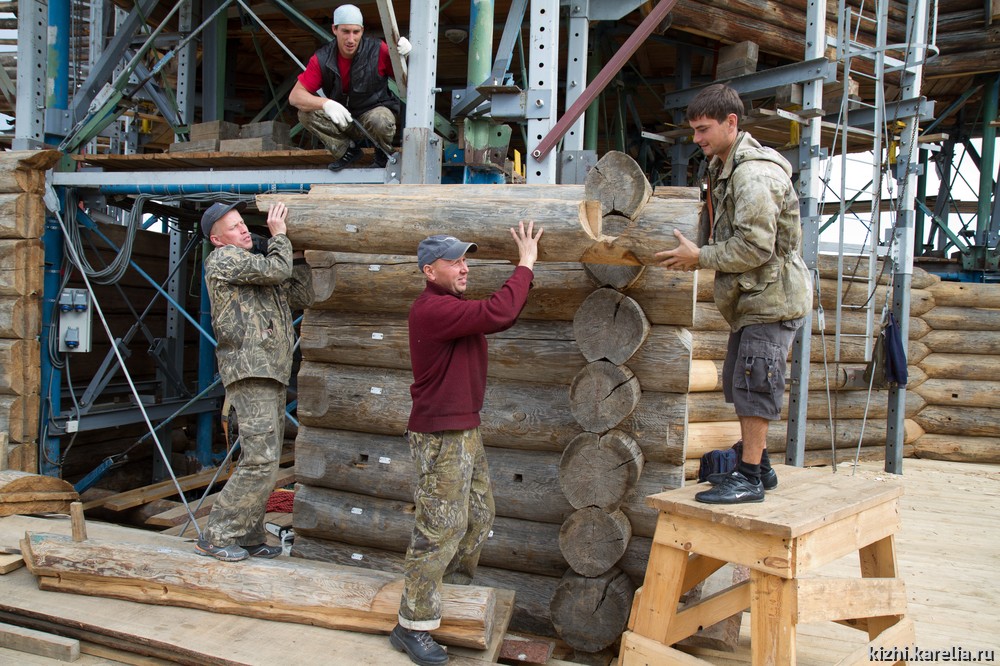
point(357, 511)
point(374, 268)
point(378, 336)
point(385, 460)
point(351, 228)
point(377, 390)
point(490, 535)
point(357, 556)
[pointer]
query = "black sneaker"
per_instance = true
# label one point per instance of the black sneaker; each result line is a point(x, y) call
point(733, 489)
point(768, 478)
point(348, 158)
point(264, 551)
point(418, 646)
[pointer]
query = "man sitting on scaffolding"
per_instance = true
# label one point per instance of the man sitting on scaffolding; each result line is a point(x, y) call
point(353, 72)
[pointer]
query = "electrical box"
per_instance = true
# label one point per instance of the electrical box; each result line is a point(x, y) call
point(74, 320)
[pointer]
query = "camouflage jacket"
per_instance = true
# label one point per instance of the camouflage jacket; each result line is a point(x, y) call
point(755, 242)
point(252, 297)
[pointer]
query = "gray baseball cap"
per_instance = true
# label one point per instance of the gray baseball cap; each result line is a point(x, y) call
point(441, 246)
point(216, 211)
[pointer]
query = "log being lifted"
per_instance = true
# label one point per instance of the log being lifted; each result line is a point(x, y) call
point(287, 590)
point(394, 221)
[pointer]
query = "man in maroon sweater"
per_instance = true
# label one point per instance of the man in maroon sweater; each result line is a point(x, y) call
point(454, 502)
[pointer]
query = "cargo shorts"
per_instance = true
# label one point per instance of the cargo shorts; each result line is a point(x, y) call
point(753, 374)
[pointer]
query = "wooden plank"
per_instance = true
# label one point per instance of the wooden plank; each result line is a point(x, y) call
point(821, 599)
point(133, 498)
point(291, 590)
point(38, 642)
point(708, 611)
point(10, 561)
point(637, 650)
point(772, 625)
point(503, 611)
point(896, 637)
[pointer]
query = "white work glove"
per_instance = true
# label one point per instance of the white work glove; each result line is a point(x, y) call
point(404, 47)
point(339, 114)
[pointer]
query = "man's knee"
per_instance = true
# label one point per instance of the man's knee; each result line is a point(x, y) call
point(381, 122)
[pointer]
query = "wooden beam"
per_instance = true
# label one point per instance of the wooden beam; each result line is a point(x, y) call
point(821, 600)
point(137, 496)
point(39, 643)
point(707, 612)
point(285, 589)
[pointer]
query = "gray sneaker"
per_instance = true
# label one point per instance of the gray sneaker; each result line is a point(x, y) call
point(264, 551)
point(230, 553)
point(733, 489)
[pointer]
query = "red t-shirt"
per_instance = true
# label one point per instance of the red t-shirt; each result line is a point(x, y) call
point(312, 77)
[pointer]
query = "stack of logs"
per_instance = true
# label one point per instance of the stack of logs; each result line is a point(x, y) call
point(572, 533)
point(22, 221)
point(962, 415)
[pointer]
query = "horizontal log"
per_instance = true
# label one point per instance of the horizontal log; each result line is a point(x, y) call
point(19, 417)
point(958, 448)
point(532, 593)
point(966, 294)
point(708, 318)
point(960, 420)
point(711, 345)
point(20, 316)
point(962, 342)
point(960, 393)
point(704, 376)
point(704, 437)
point(19, 367)
point(389, 284)
point(830, 375)
point(325, 219)
point(515, 414)
point(22, 262)
point(962, 366)
point(525, 483)
point(24, 170)
point(707, 407)
point(822, 457)
point(522, 545)
point(963, 318)
point(290, 590)
point(529, 351)
point(593, 539)
point(14, 482)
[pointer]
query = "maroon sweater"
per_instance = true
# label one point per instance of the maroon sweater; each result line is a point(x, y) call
point(448, 351)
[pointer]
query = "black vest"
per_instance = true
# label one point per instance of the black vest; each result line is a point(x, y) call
point(368, 89)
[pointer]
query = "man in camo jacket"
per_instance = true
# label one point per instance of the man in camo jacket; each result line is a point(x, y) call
point(454, 502)
point(762, 286)
point(253, 288)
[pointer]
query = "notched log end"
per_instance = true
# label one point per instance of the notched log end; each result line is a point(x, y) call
point(604, 251)
point(590, 218)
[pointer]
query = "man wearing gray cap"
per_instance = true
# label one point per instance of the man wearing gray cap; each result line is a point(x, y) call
point(353, 72)
point(252, 290)
point(453, 499)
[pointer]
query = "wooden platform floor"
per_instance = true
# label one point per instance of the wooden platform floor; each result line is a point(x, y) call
point(948, 553)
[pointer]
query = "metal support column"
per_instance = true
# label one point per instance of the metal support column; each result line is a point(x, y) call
point(186, 60)
point(574, 162)
point(986, 227)
point(809, 189)
point(213, 68)
point(543, 62)
point(902, 241)
point(31, 74)
point(422, 149)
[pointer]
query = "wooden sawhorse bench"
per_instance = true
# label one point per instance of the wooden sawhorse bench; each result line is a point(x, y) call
point(812, 518)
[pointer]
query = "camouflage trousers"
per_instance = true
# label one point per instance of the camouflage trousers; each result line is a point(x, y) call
point(380, 122)
point(454, 513)
point(238, 514)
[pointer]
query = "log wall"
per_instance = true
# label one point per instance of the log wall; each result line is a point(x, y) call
point(22, 221)
point(573, 552)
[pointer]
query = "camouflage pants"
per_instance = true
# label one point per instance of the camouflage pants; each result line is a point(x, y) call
point(238, 514)
point(454, 513)
point(380, 123)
